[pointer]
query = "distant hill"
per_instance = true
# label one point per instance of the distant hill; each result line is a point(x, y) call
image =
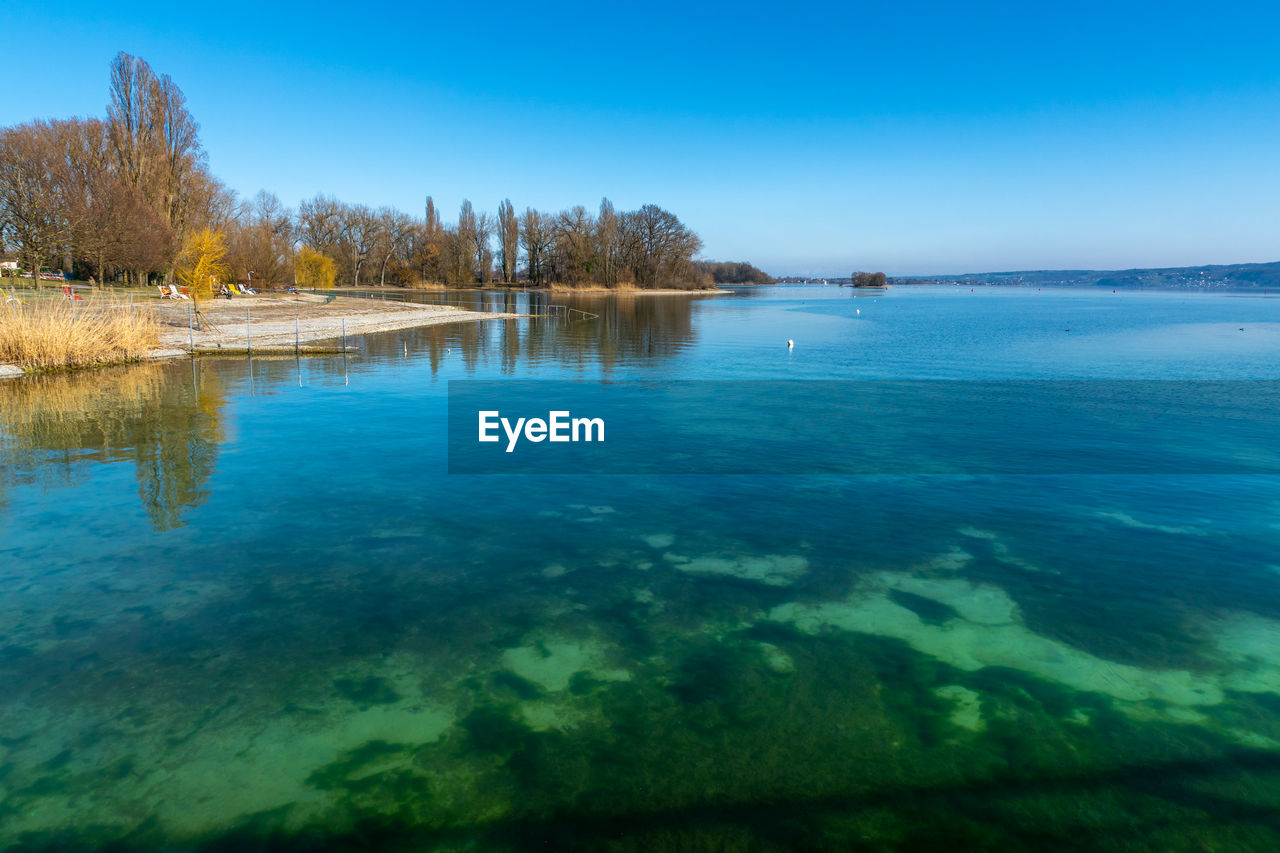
point(1217, 277)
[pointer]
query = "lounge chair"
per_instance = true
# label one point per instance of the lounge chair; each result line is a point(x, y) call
point(11, 298)
point(66, 291)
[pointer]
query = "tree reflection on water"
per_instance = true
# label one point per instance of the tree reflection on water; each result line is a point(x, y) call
point(165, 418)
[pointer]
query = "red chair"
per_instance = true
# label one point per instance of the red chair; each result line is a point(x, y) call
point(66, 291)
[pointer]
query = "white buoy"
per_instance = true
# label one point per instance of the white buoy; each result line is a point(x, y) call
point(790, 343)
point(858, 311)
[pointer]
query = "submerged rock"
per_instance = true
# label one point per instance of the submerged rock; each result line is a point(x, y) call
point(1126, 520)
point(777, 660)
point(770, 569)
point(988, 632)
point(553, 664)
point(951, 561)
point(968, 706)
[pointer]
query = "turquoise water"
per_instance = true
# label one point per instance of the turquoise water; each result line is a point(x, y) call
point(242, 605)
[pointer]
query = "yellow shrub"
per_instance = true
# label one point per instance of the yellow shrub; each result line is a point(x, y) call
point(315, 271)
point(200, 263)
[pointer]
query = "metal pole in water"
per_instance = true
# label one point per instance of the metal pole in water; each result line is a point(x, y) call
point(295, 336)
point(191, 335)
point(344, 335)
point(248, 331)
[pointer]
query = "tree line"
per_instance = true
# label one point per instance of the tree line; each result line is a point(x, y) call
point(734, 272)
point(645, 248)
point(130, 198)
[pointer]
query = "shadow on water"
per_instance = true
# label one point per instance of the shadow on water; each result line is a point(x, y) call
point(1180, 804)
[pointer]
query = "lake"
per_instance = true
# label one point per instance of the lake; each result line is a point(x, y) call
point(245, 605)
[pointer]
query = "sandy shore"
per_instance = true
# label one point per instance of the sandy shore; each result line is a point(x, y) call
point(273, 320)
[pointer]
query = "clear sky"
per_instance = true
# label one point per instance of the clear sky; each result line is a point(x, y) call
point(913, 137)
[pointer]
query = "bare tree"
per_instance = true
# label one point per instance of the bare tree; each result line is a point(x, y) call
point(33, 216)
point(156, 141)
point(508, 240)
point(84, 174)
point(183, 156)
point(536, 239)
point(659, 249)
point(428, 248)
point(394, 231)
point(111, 227)
point(207, 203)
point(606, 244)
point(574, 251)
point(319, 224)
point(126, 192)
point(262, 243)
point(464, 252)
point(359, 233)
point(132, 117)
point(480, 247)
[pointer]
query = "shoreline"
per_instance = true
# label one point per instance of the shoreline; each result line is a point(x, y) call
point(304, 321)
point(309, 330)
point(560, 291)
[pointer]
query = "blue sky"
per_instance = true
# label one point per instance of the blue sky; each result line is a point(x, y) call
point(808, 138)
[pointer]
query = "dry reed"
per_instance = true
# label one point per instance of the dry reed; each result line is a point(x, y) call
point(51, 333)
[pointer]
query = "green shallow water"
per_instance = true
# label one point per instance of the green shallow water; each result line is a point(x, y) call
point(242, 605)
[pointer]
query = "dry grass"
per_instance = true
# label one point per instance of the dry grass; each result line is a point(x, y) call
point(50, 333)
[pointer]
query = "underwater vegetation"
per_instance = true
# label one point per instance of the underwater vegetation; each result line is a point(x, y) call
point(641, 707)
